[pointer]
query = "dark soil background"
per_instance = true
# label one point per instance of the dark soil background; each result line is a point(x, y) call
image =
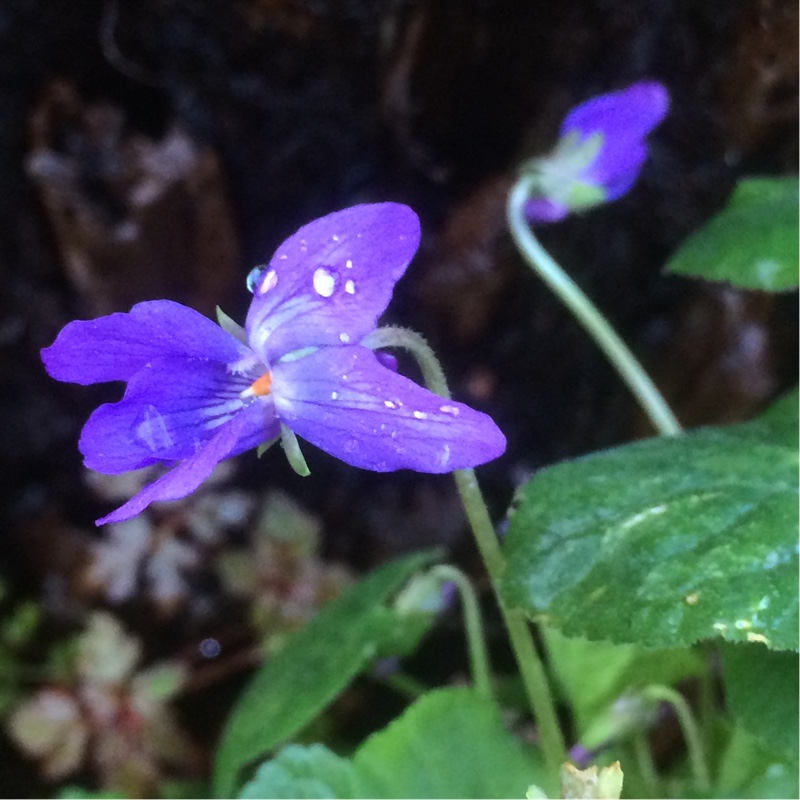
point(162, 148)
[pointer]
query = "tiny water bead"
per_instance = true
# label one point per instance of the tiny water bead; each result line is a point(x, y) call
point(210, 648)
point(254, 276)
point(261, 279)
point(324, 282)
point(151, 430)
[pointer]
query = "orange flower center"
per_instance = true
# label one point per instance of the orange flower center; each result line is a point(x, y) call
point(260, 387)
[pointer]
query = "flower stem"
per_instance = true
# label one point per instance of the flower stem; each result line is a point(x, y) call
point(570, 294)
point(644, 759)
point(473, 624)
point(691, 732)
point(530, 665)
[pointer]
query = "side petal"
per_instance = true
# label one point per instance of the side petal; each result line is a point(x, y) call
point(188, 475)
point(172, 407)
point(344, 401)
point(329, 282)
point(628, 114)
point(542, 209)
point(115, 347)
point(616, 169)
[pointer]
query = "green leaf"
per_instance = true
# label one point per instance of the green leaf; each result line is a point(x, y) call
point(748, 770)
point(450, 743)
point(313, 667)
point(753, 243)
point(665, 542)
point(302, 772)
point(761, 688)
point(593, 675)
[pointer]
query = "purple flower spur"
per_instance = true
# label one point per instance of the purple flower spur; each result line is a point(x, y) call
point(601, 149)
point(199, 392)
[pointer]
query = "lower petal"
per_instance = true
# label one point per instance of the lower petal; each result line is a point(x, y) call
point(344, 401)
point(187, 476)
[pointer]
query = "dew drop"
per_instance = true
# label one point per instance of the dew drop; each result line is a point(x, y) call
point(254, 276)
point(324, 282)
point(389, 404)
point(269, 281)
point(344, 338)
point(210, 648)
point(350, 287)
point(334, 395)
point(335, 238)
point(420, 415)
point(349, 263)
point(452, 410)
point(152, 430)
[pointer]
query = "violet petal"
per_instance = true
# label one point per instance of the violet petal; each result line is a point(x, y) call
point(172, 407)
point(343, 401)
point(187, 476)
point(329, 282)
point(629, 114)
point(114, 347)
point(617, 168)
point(541, 209)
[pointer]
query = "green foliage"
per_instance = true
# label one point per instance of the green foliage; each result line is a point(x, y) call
point(79, 793)
point(748, 769)
point(667, 541)
point(593, 676)
point(303, 772)
point(450, 743)
point(753, 243)
point(315, 666)
point(761, 690)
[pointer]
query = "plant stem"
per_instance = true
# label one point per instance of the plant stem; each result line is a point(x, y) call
point(571, 295)
point(691, 732)
point(530, 665)
point(473, 625)
point(644, 759)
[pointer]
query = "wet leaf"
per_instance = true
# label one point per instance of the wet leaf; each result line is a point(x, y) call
point(666, 541)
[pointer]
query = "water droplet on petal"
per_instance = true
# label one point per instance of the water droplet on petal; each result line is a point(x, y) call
point(261, 279)
point(452, 410)
point(334, 395)
point(324, 282)
point(389, 404)
point(349, 263)
point(344, 338)
point(254, 276)
point(335, 238)
point(350, 287)
point(152, 430)
point(420, 415)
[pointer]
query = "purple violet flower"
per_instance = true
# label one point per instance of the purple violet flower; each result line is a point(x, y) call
point(199, 393)
point(600, 152)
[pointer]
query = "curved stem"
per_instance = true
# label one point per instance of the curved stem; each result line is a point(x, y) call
point(691, 732)
point(473, 625)
point(530, 665)
point(571, 295)
point(644, 760)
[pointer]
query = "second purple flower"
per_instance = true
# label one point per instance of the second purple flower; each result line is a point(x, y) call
point(198, 393)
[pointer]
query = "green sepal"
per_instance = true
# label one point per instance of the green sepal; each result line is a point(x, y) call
point(293, 453)
point(230, 326)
